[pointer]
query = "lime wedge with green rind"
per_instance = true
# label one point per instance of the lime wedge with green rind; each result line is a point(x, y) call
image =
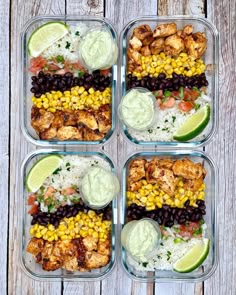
point(45, 36)
point(194, 125)
point(41, 170)
point(193, 258)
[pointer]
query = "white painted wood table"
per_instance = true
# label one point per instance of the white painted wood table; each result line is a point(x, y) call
point(14, 147)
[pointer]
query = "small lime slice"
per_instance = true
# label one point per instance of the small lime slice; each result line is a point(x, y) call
point(194, 125)
point(45, 36)
point(41, 170)
point(193, 258)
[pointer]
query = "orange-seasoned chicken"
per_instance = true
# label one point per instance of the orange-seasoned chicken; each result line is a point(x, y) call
point(35, 246)
point(157, 46)
point(148, 40)
point(104, 248)
point(142, 32)
point(196, 44)
point(69, 118)
point(41, 119)
point(58, 120)
point(193, 184)
point(95, 260)
point(90, 243)
point(189, 170)
point(92, 135)
point(71, 265)
point(69, 132)
point(165, 30)
point(135, 56)
point(50, 133)
point(173, 45)
point(137, 170)
point(165, 163)
point(87, 118)
point(145, 51)
point(135, 43)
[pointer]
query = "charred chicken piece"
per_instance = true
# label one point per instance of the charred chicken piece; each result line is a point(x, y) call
point(157, 46)
point(135, 43)
point(69, 118)
point(196, 44)
point(173, 45)
point(95, 260)
point(87, 119)
point(188, 170)
point(35, 246)
point(90, 243)
point(58, 120)
point(50, 133)
point(69, 132)
point(92, 135)
point(193, 184)
point(146, 51)
point(142, 32)
point(165, 30)
point(41, 119)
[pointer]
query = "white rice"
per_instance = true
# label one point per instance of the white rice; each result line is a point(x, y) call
point(73, 174)
point(68, 46)
point(168, 122)
point(167, 254)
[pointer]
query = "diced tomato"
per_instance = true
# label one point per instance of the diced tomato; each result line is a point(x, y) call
point(68, 66)
point(53, 67)
point(168, 103)
point(189, 229)
point(158, 93)
point(37, 64)
point(31, 199)
point(49, 192)
point(33, 210)
point(68, 191)
point(105, 72)
point(190, 94)
point(185, 106)
point(175, 94)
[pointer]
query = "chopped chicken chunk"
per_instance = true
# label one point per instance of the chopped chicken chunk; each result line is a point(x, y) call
point(95, 260)
point(90, 243)
point(173, 45)
point(135, 43)
point(35, 246)
point(41, 119)
point(196, 44)
point(92, 135)
point(69, 132)
point(50, 133)
point(145, 51)
point(88, 119)
point(157, 46)
point(104, 248)
point(188, 169)
point(165, 30)
point(142, 32)
point(193, 184)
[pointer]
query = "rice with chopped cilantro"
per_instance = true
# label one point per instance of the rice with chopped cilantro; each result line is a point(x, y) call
point(68, 46)
point(168, 122)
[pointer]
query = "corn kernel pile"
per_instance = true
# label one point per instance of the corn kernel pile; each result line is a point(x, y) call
point(75, 99)
point(82, 225)
point(151, 197)
point(184, 64)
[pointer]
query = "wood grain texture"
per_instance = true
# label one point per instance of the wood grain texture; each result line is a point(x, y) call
point(222, 149)
point(4, 123)
point(18, 282)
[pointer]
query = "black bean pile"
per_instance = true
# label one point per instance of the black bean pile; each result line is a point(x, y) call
point(167, 215)
point(163, 83)
point(46, 82)
point(44, 218)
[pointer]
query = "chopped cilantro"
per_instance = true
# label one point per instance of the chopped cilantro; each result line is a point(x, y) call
point(65, 198)
point(166, 120)
point(59, 45)
point(167, 93)
point(201, 222)
point(161, 244)
point(67, 164)
point(150, 130)
point(57, 171)
point(50, 207)
point(173, 118)
point(74, 186)
point(40, 198)
point(168, 255)
point(67, 45)
point(158, 256)
point(198, 231)
point(165, 129)
point(197, 106)
point(52, 180)
point(45, 68)
point(96, 162)
point(158, 127)
point(145, 264)
point(80, 74)
point(77, 33)
point(60, 58)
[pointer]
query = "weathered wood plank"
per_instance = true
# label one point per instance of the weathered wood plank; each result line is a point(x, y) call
point(4, 148)
point(222, 148)
point(18, 282)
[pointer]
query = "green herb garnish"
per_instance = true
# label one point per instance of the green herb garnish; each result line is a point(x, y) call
point(144, 264)
point(173, 118)
point(77, 33)
point(80, 74)
point(197, 106)
point(198, 231)
point(181, 92)
point(67, 45)
point(167, 93)
point(60, 58)
point(150, 130)
point(57, 171)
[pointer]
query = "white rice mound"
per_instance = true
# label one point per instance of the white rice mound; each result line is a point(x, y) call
point(164, 260)
point(168, 122)
point(73, 176)
point(60, 47)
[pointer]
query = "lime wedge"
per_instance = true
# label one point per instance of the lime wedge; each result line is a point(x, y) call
point(41, 170)
point(193, 258)
point(45, 36)
point(194, 125)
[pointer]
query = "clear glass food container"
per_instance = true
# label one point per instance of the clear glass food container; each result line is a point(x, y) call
point(211, 192)
point(211, 59)
point(28, 263)
point(26, 95)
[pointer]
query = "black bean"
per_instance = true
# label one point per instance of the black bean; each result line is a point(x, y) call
point(41, 74)
point(161, 76)
point(34, 78)
point(186, 204)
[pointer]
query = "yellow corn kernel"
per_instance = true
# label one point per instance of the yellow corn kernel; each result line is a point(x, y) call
point(181, 191)
point(43, 231)
point(32, 231)
point(38, 235)
point(51, 227)
point(149, 208)
point(62, 227)
point(180, 183)
point(143, 200)
point(50, 239)
point(64, 237)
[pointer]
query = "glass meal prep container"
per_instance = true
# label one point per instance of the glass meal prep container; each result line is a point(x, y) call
point(208, 267)
point(26, 95)
point(211, 60)
point(27, 261)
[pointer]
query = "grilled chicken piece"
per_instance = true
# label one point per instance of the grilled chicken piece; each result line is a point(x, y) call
point(104, 125)
point(173, 45)
point(165, 30)
point(188, 170)
point(147, 41)
point(58, 120)
point(41, 119)
point(137, 170)
point(105, 111)
point(146, 51)
point(95, 260)
point(35, 246)
point(64, 249)
point(90, 243)
point(92, 135)
point(135, 56)
point(157, 46)
point(69, 132)
point(71, 265)
point(142, 32)
point(50, 133)
point(104, 248)
point(193, 184)
point(69, 118)
point(135, 43)
point(188, 30)
point(196, 44)
point(165, 163)
point(88, 119)
point(135, 186)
